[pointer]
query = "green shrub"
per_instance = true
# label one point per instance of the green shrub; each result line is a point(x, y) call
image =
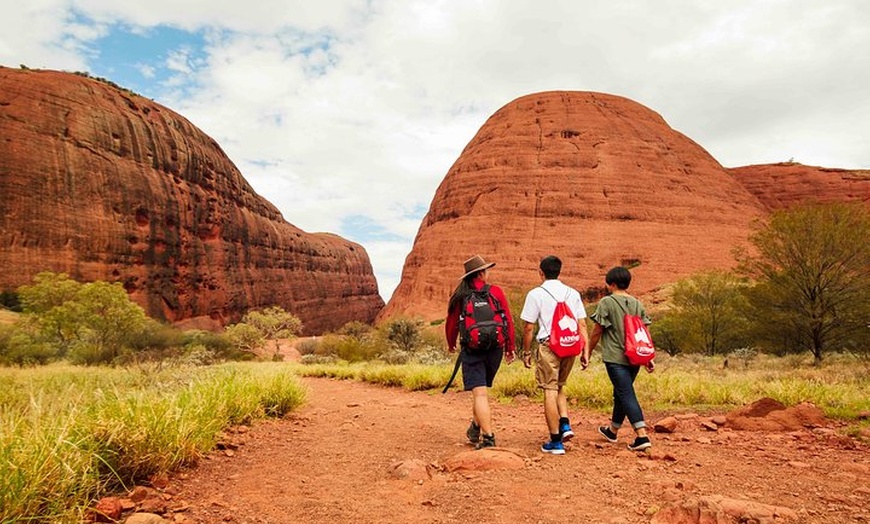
point(355, 329)
point(307, 346)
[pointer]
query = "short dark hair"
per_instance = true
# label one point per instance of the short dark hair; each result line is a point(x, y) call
point(551, 266)
point(619, 276)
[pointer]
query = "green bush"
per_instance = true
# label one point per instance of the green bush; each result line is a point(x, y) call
point(307, 346)
point(355, 329)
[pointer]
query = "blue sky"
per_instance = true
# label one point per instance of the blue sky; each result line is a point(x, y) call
point(347, 114)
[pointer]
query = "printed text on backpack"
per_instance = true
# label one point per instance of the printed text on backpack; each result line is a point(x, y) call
point(482, 321)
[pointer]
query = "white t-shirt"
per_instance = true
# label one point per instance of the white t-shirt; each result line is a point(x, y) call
point(539, 305)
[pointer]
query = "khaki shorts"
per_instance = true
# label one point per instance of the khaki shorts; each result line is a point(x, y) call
point(551, 371)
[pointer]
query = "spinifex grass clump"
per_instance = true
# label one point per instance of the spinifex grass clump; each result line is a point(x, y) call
point(67, 435)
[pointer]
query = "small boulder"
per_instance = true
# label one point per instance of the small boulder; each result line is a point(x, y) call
point(413, 469)
point(666, 425)
point(145, 518)
point(485, 459)
point(108, 509)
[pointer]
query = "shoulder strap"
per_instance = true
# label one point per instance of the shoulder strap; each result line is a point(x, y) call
point(551, 295)
point(625, 307)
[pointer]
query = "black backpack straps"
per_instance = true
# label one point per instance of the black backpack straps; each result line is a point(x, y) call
point(495, 301)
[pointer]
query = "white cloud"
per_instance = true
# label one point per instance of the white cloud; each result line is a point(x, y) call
point(358, 108)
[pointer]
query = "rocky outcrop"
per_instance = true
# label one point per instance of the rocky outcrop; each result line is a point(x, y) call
point(779, 186)
point(103, 184)
point(598, 180)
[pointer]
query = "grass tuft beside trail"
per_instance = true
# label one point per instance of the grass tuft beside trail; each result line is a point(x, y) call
point(69, 434)
point(838, 387)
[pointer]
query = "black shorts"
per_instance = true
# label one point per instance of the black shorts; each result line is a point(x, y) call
point(479, 367)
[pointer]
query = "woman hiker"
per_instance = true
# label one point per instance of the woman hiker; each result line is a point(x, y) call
point(479, 365)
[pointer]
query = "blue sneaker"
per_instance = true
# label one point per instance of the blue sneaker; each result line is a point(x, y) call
point(553, 448)
point(567, 434)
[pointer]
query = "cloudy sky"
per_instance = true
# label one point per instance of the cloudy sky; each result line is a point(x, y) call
point(347, 114)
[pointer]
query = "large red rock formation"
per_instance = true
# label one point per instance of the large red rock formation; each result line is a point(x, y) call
point(783, 185)
point(596, 179)
point(103, 184)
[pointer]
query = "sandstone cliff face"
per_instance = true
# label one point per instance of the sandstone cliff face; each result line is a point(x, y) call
point(596, 179)
point(106, 185)
point(779, 186)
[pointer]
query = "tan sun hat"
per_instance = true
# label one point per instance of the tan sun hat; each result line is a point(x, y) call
point(475, 264)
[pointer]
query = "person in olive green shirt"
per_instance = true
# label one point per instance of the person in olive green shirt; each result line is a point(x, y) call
point(609, 332)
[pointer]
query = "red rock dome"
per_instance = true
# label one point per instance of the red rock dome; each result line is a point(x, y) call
point(103, 184)
point(596, 179)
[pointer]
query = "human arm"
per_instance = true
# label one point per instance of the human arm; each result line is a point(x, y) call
point(584, 333)
point(528, 331)
point(510, 342)
point(594, 338)
point(451, 329)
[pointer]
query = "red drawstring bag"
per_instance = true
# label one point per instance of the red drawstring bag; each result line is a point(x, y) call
point(639, 347)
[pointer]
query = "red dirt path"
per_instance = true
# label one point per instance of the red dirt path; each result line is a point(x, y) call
point(331, 462)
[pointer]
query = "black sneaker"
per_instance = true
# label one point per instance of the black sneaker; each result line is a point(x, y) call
point(473, 433)
point(487, 442)
point(606, 433)
point(640, 444)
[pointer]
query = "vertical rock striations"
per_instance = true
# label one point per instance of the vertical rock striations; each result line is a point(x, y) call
point(598, 180)
point(106, 185)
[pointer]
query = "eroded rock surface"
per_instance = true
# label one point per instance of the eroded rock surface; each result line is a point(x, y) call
point(779, 186)
point(597, 179)
point(103, 184)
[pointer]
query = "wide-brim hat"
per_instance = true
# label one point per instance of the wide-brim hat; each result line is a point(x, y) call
point(475, 264)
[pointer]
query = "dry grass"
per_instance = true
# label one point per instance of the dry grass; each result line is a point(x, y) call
point(8, 317)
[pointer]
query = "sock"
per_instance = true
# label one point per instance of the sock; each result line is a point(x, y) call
point(563, 421)
point(555, 437)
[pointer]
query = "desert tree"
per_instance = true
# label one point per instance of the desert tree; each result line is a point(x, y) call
point(707, 312)
point(812, 273)
point(274, 323)
point(91, 323)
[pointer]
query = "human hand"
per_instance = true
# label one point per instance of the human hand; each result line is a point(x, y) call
point(509, 357)
point(527, 359)
point(451, 349)
point(650, 366)
point(584, 360)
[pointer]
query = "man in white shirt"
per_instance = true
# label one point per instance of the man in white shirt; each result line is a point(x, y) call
point(552, 371)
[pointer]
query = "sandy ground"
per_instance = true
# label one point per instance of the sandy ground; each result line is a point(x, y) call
point(335, 460)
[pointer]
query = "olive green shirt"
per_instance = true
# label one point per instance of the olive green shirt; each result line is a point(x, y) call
point(609, 316)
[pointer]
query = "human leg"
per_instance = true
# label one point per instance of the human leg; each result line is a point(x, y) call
point(565, 366)
point(625, 402)
point(551, 410)
point(481, 410)
point(476, 377)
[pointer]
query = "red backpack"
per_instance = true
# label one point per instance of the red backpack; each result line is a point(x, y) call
point(639, 348)
point(482, 321)
point(565, 340)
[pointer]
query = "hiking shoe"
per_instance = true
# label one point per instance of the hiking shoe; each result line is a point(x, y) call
point(553, 448)
point(473, 433)
point(567, 434)
point(640, 444)
point(609, 435)
point(487, 442)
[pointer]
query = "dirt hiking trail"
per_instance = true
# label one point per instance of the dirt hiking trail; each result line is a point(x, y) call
point(364, 453)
